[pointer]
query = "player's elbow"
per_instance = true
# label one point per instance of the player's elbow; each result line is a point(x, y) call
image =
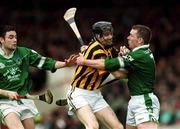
point(120, 74)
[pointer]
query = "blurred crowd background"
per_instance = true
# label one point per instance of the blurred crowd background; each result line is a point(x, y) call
point(41, 26)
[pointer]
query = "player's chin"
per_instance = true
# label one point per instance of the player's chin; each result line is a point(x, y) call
point(130, 46)
point(108, 45)
point(13, 47)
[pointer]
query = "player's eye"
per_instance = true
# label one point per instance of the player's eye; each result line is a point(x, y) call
point(12, 36)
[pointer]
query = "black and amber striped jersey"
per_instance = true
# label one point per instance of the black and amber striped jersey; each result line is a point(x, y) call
point(90, 78)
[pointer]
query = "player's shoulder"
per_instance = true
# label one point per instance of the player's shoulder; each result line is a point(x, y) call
point(95, 45)
point(138, 54)
point(24, 50)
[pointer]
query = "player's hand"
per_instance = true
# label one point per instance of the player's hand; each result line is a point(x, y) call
point(11, 95)
point(80, 60)
point(123, 51)
point(83, 48)
point(71, 60)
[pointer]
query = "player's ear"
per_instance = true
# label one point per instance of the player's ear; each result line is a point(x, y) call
point(97, 36)
point(141, 41)
point(1, 39)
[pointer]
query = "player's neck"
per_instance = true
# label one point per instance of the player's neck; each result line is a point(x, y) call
point(7, 52)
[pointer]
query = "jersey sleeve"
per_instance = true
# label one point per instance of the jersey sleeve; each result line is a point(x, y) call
point(112, 64)
point(41, 62)
point(129, 62)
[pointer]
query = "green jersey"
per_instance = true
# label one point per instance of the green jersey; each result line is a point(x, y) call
point(141, 69)
point(14, 70)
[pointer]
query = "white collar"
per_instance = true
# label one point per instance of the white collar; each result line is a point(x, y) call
point(3, 54)
point(143, 46)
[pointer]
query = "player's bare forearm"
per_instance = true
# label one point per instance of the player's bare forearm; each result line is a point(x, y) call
point(68, 62)
point(60, 64)
point(10, 94)
point(2, 92)
point(98, 63)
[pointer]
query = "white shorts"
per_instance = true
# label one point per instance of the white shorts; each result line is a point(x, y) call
point(24, 109)
point(80, 97)
point(142, 108)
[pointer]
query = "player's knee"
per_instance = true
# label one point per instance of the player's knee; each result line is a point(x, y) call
point(119, 126)
point(93, 125)
point(148, 125)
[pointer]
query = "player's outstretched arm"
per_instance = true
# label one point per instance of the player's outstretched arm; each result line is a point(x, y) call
point(67, 63)
point(98, 63)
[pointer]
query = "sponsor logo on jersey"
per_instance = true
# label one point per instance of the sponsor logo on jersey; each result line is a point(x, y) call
point(12, 74)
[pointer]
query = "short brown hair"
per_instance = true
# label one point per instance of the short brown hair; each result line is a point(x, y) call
point(144, 32)
point(6, 28)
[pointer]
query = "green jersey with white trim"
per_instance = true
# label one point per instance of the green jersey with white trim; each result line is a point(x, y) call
point(14, 70)
point(141, 69)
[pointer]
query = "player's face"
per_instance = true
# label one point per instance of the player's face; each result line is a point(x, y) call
point(133, 39)
point(106, 38)
point(9, 41)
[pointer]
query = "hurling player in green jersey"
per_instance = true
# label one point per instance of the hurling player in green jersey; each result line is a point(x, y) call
point(15, 79)
point(143, 107)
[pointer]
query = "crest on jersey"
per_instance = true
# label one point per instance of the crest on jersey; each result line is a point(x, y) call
point(129, 57)
point(18, 61)
point(2, 65)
